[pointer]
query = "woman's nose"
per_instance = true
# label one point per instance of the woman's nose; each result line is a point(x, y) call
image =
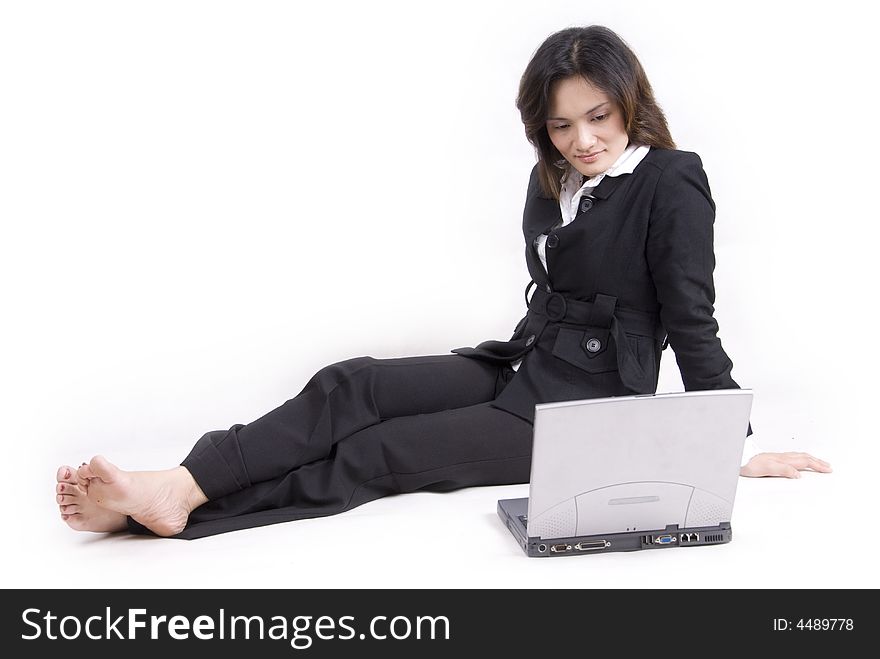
point(586, 139)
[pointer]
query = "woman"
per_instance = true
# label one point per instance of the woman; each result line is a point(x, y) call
point(619, 245)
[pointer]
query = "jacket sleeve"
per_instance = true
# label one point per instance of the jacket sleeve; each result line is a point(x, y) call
point(681, 257)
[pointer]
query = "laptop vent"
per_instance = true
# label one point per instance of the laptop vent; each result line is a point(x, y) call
point(706, 510)
point(715, 537)
point(557, 522)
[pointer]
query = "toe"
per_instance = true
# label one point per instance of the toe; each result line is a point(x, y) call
point(69, 488)
point(66, 498)
point(84, 472)
point(66, 474)
point(70, 509)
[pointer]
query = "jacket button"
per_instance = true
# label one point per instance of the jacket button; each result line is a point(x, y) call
point(594, 345)
point(552, 240)
point(586, 204)
point(530, 340)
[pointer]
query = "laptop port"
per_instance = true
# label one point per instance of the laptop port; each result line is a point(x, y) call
point(664, 539)
point(560, 548)
point(542, 548)
point(592, 545)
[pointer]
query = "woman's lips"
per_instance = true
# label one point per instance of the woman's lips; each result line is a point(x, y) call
point(591, 158)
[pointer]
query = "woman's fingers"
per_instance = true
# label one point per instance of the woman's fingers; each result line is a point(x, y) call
point(782, 468)
point(818, 465)
point(804, 461)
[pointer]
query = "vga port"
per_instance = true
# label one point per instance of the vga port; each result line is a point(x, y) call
point(664, 539)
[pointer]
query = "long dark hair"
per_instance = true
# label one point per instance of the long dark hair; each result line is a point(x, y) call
point(607, 62)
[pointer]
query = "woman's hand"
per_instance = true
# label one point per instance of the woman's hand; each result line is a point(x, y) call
point(788, 465)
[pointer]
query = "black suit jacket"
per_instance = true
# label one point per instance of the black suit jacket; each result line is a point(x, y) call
point(633, 269)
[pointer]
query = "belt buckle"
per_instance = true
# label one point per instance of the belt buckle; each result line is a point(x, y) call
point(555, 307)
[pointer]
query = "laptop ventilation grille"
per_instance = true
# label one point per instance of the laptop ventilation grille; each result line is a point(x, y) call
point(713, 538)
point(705, 511)
point(557, 523)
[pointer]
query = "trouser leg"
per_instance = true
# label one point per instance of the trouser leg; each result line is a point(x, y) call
point(440, 451)
point(337, 402)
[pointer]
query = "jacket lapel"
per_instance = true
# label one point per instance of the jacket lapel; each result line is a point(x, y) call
point(540, 215)
point(608, 185)
point(543, 213)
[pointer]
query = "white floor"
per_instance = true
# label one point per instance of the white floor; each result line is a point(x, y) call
point(818, 531)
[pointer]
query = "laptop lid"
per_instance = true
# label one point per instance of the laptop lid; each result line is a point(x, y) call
point(636, 463)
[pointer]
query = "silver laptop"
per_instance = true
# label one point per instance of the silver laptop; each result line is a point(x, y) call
point(631, 472)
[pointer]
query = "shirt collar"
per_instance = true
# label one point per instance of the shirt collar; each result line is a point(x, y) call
point(625, 164)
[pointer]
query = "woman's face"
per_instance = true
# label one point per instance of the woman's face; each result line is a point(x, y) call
point(584, 121)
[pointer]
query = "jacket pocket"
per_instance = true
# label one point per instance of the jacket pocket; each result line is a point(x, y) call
point(587, 348)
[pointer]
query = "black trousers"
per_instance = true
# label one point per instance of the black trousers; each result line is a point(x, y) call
point(361, 429)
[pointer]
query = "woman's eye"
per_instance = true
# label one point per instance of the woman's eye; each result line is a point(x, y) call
point(601, 117)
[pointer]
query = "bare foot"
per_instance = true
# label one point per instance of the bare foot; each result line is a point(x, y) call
point(160, 500)
point(78, 511)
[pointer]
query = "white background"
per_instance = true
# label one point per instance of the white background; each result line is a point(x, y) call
point(203, 203)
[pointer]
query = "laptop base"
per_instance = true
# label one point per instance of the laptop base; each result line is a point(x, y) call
point(513, 513)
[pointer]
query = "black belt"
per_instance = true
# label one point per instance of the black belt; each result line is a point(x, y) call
point(599, 313)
